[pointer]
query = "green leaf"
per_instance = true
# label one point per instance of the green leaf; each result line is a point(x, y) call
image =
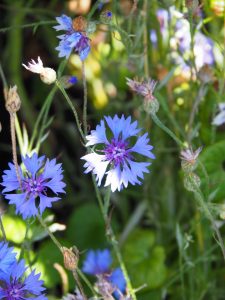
point(15, 228)
point(213, 159)
point(144, 259)
point(86, 228)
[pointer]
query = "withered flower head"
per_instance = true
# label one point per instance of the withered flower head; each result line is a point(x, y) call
point(189, 158)
point(144, 88)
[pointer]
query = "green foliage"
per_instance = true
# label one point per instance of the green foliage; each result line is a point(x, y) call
point(145, 260)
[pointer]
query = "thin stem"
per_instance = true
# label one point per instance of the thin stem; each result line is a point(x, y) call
point(112, 237)
point(2, 228)
point(14, 152)
point(146, 29)
point(85, 98)
point(72, 108)
point(79, 284)
point(199, 197)
point(167, 130)
point(200, 95)
point(55, 241)
point(84, 278)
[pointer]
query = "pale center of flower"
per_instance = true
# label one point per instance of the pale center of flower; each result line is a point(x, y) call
point(117, 151)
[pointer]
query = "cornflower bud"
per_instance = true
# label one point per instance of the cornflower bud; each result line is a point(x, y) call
point(47, 75)
point(145, 88)
point(106, 16)
point(13, 101)
point(68, 81)
point(70, 259)
point(189, 159)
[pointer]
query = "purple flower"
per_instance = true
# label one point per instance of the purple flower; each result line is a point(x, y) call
point(15, 285)
point(39, 177)
point(97, 262)
point(116, 153)
point(72, 39)
point(7, 259)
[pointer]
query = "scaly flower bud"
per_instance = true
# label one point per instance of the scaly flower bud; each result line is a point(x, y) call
point(189, 159)
point(145, 89)
point(70, 259)
point(47, 75)
point(13, 101)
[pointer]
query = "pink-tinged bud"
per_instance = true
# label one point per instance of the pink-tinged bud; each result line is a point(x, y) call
point(189, 159)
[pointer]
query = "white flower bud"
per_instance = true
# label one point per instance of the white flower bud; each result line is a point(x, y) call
point(47, 75)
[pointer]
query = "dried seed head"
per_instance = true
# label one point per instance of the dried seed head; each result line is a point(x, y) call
point(70, 259)
point(13, 101)
point(80, 24)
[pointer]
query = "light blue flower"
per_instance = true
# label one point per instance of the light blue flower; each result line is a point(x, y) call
point(39, 178)
point(7, 259)
point(15, 285)
point(97, 262)
point(116, 153)
point(72, 39)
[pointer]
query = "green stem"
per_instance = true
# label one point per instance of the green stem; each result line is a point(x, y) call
point(167, 130)
point(85, 99)
point(2, 229)
point(55, 241)
point(44, 110)
point(111, 235)
point(200, 199)
point(72, 108)
point(87, 282)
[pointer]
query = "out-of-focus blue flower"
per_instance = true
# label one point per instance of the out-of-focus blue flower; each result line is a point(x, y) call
point(118, 281)
point(163, 19)
point(97, 262)
point(72, 39)
point(39, 177)
point(7, 259)
point(203, 46)
point(15, 285)
point(116, 155)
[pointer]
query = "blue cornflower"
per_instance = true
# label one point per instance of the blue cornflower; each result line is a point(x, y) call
point(73, 39)
point(15, 285)
point(7, 259)
point(118, 282)
point(98, 263)
point(39, 177)
point(116, 153)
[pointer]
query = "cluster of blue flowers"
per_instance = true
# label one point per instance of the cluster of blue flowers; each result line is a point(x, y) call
point(15, 284)
point(98, 263)
point(38, 182)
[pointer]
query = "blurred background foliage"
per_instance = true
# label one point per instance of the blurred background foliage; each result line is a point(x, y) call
point(166, 242)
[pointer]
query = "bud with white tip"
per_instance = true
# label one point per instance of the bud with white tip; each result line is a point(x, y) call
point(47, 75)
